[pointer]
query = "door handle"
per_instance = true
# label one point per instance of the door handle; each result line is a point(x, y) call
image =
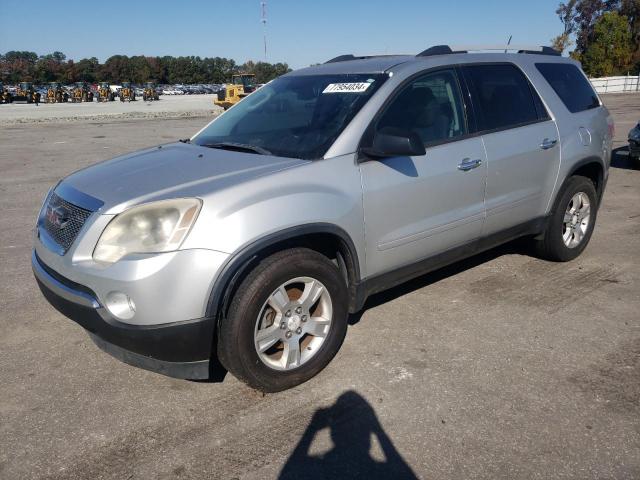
point(547, 144)
point(468, 164)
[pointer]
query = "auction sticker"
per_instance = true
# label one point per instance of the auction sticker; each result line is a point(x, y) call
point(346, 87)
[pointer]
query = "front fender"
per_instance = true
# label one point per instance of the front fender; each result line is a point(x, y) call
point(320, 197)
point(319, 192)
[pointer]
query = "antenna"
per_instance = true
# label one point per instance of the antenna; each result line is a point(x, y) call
point(263, 20)
point(508, 43)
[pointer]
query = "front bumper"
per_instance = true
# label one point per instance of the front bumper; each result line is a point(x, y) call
point(178, 349)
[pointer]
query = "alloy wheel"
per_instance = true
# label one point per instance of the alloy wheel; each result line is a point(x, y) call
point(293, 323)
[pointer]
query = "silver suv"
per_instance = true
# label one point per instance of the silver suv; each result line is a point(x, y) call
point(250, 244)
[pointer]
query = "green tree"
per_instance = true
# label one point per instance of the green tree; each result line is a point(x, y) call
point(610, 50)
point(265, 71)
point(631, 9)
point(17, 66)
point(567, 13)
point(87, 69)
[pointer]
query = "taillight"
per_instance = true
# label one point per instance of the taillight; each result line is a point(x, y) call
point(612, 129)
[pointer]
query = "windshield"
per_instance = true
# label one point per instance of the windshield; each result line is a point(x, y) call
point(294, 116)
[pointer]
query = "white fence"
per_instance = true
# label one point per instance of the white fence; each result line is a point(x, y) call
point(616, 84)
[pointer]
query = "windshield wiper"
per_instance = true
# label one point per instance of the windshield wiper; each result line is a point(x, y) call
point(239, 147)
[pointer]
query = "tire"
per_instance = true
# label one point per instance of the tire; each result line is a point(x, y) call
point(558, 243)
point(239, 331)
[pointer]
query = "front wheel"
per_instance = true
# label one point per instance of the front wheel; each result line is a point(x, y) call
point(572, 221)
point(286, 321)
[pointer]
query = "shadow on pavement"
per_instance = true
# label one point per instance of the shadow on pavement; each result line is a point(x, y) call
point(620, 159)
point(352, 425)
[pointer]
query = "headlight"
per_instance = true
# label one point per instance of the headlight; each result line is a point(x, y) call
point(150, 228)
point(45, 202)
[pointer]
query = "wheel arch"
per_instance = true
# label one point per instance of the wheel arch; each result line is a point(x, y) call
point(328, 239)
point(593, 168)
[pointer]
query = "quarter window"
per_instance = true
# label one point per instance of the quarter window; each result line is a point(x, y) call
point(503, 97)
point(429, 106)
point(571, 86)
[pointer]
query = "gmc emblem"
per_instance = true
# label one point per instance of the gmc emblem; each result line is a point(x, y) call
point(58, 216)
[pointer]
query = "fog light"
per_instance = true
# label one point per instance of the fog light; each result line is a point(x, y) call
point(120, 305)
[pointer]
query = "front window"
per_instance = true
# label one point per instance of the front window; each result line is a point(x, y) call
point(293, 116)
point(430, 106)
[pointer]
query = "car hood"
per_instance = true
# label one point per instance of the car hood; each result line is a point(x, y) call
point(170, 171)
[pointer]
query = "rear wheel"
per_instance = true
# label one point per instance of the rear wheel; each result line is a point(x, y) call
point(286, 321)
point(572, 221)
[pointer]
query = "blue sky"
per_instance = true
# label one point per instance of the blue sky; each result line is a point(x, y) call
point(299, 32)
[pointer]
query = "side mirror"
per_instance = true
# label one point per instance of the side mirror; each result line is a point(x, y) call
point(390, 142)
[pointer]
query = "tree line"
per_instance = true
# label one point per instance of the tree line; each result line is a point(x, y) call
point(604, 35)
point(19, 66)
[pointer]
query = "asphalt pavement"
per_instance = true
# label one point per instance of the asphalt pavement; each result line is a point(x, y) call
point(502, 366)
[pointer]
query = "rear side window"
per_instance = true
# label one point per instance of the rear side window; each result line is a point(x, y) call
point(503, 97)
point(569, 83)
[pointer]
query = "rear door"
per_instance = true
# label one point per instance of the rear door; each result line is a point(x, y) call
point(521, 142)
point(417, 207)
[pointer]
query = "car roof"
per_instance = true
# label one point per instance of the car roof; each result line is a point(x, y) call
point(439, 54)
point(364, 64)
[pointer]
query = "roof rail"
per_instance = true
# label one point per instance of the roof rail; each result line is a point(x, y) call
point(348, 57)
point(437, 50)
point(447, 50)
point(341, 58)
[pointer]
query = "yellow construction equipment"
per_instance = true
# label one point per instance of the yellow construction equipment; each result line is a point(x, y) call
point(150, 92)
point(5, 96)
point(241, 85)
point(56, 94)
point(127, 92)
point(26, 93)
point(81, 93)
point(104, 93)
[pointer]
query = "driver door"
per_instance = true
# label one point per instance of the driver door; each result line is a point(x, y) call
point(418, 207)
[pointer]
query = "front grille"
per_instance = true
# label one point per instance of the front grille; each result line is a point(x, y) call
point(63, 220)
point(221, 95)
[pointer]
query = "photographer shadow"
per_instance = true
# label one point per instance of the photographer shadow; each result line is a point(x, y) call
point(352, 425)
